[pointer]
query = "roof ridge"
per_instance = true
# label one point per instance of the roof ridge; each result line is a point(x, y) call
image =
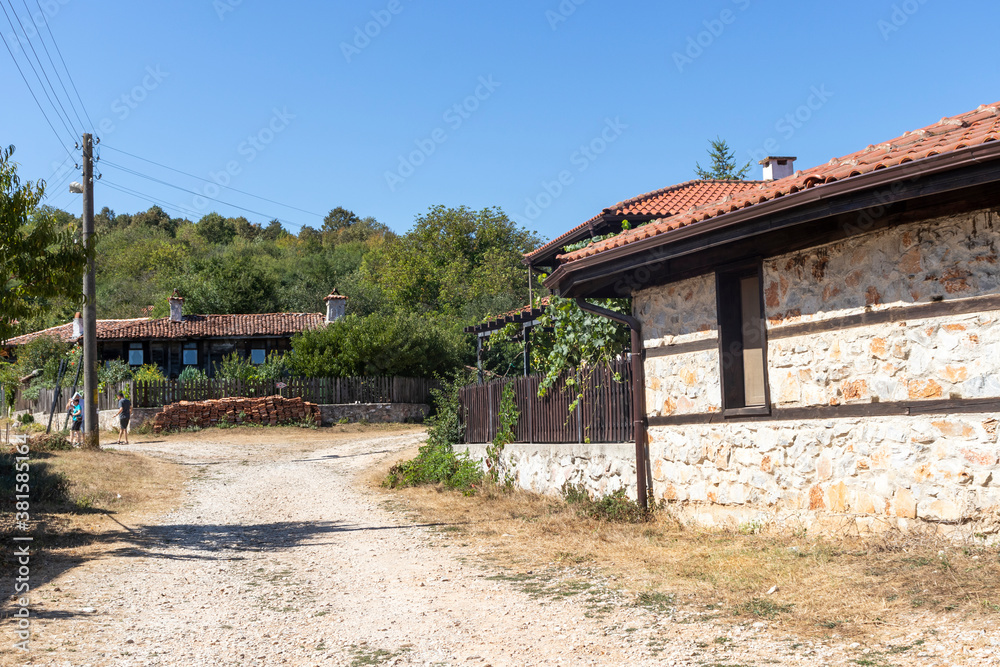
point(948, 135)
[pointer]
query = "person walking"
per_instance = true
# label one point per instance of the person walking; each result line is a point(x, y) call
point(76, 415)
point(124, 415)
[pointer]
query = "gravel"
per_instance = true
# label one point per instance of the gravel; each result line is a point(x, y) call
point(281, 557)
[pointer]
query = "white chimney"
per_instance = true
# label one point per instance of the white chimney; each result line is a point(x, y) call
point(77, 325)
point(336, 305)
point(176, 308)
point(778, 167)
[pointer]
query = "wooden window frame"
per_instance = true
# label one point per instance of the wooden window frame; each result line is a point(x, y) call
point(731, 378)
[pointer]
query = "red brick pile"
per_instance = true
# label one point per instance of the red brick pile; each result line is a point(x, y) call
point(270, 410)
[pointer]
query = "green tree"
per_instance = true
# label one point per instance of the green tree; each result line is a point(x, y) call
point(452, 259)
point(39, 258)
point(723, 167)
point(339, 218)
point(378, 345)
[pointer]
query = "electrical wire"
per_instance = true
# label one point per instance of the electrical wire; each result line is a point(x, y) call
point(35, 97)
point(69, 76)
point(197, 194)
point(54, 68)
point(199, 178)
point(66, 121)
point(151, 199)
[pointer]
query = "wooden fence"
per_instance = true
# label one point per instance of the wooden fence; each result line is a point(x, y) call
point(314, 390)
point(604, 413)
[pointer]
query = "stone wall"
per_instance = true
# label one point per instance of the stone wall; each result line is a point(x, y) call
point(600, 468)
point(818, 457)
point(374, 412)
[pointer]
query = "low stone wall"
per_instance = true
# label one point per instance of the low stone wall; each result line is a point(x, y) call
point(106, 418)
point(601, 468)
point(382, 413)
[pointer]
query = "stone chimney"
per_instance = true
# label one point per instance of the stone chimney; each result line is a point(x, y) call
point(78, 326)
point(336, 304)
point(777, 167)
point(176, 307)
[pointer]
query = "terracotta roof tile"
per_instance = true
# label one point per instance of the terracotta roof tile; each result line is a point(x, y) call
point(947, 135)
point(661, 203)
point(193, 326)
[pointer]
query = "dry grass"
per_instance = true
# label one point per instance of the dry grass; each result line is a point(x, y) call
point(856, 587)
point(106, 491)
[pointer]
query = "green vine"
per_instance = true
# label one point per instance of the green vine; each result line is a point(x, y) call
point(498, 469)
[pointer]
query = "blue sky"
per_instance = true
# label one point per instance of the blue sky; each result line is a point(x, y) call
point(550, 110)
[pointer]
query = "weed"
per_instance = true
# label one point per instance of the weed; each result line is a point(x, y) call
point(615, 507)
point(763, 608)
point(655, 601)
point(362, 655)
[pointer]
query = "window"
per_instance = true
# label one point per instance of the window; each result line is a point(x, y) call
point(190, 354)
point(257, 356)
point(742, 340)
point(135, 354)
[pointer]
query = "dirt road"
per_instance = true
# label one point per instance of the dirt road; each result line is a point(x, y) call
point(279, 555)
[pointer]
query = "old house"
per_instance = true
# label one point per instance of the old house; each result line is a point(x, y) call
point(179, 341)
point(823, 345)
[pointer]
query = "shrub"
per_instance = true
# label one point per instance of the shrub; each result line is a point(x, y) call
point(148, 373)
point(192, 374)
point(114, 372)
point(402, 345)
point(437, 462)
point(615, 507)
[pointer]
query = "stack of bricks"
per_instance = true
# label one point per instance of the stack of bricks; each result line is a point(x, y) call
point(270, 410)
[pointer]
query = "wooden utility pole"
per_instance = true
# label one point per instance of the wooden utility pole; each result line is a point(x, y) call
point(91, 429)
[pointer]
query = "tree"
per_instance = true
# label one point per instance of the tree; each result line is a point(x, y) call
point(723, 166)
point(39, 258)
point(451, 260)
point(405, 345)
point(339, 218)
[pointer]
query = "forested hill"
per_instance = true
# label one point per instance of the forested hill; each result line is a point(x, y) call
point(455, 263)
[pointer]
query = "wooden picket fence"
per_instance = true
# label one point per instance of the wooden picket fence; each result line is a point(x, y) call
point(604, 413)
point(314, 390)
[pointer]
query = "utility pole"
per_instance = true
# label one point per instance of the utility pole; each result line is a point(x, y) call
point(91, 429)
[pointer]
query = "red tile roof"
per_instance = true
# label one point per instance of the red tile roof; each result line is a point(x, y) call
point(523, 314)
point(661, 203)
point(193, 326)
point(947, 135)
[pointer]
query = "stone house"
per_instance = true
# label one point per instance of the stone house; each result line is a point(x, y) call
point(823, 345)
point(176, 342)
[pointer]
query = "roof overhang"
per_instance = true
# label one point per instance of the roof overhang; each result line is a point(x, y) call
point(819, 214)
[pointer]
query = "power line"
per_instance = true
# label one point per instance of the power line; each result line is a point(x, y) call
point(33, 96)
point(295, 208)
point(150, 199)
point(66, 121)
point(63, 61)
point(52, 62)
point(197, 194)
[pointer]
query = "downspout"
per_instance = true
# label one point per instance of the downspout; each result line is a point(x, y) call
point(638, 393)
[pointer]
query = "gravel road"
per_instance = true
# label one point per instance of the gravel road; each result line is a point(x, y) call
point(280, 556)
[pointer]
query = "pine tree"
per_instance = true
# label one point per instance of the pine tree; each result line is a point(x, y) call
point(723, 163)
